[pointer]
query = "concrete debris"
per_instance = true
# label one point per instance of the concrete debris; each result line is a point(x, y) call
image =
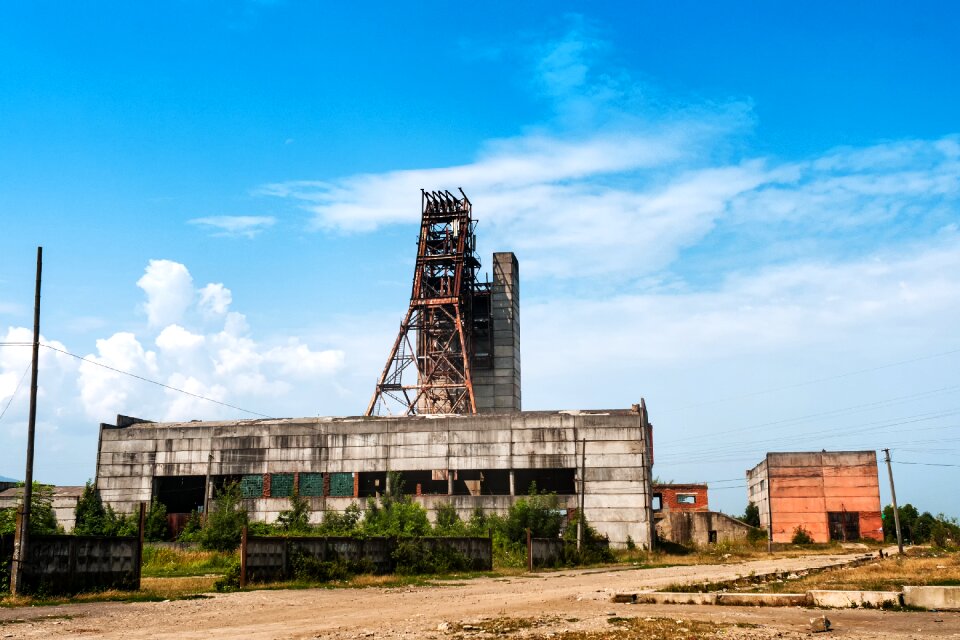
point(820, 625)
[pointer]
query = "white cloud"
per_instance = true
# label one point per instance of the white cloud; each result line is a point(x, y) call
point(297, 359)
point(175, 338)
point(169, 289)
point(236, 226)
point(105, 392)
point(215, 299)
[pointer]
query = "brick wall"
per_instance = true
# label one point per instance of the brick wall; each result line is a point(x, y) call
point(676, 497)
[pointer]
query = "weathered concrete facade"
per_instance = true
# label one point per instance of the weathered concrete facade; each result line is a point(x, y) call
point(497, 387)
point(833, 495)
point(470, 461)
point(700, 527)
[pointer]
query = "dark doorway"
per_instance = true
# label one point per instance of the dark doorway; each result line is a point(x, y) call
point(559, 481)
point(180, 494)
point(844, 525)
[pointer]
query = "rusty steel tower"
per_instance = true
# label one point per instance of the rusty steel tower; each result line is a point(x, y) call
point(446, 330)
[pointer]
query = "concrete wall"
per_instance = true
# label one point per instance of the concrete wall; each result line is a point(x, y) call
point(695, 527)
point(805, 487)
point(497, 390)
point(72, 564)
point(616, 478)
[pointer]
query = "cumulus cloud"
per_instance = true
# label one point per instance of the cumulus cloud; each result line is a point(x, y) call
point(169, 289)
point(235, 226)
point(215, 299)
point(228, 364)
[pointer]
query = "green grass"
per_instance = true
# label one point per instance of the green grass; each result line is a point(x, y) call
point(163, 562)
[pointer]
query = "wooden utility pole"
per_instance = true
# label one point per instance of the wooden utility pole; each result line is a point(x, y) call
point(583, 491)
point(769, 510)
point(21, 535)
point(893, 495)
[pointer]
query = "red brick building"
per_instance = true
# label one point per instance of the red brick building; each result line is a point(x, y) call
point(680, 497)
point(833, 495)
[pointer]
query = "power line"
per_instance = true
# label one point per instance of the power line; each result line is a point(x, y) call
point(14, 394)
point(815, 381)
point(848, 409)
point(159, 384)
point(926, 464)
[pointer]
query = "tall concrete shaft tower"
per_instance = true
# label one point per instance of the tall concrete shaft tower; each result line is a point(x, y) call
point(458, 349)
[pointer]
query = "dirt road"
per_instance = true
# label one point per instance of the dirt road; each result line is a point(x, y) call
point(570, 600)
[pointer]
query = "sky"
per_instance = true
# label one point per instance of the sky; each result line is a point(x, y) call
point(746, 213)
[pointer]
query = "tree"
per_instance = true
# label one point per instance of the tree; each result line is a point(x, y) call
point(155, 524)
point(226, 521)
point(296, 519)
point(43, 521)
point(538, 512)
point(90, 514)
point(448, 522)
point(751, 515)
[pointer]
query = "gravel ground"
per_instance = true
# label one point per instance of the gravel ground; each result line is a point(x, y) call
point(568, 605)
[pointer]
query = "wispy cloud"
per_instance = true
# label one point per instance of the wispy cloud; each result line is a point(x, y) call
point(618, 184)
point(235, 226)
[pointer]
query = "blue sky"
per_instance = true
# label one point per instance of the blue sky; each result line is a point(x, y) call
point(745, 212)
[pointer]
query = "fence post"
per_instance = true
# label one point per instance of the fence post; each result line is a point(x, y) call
point(140, 535)
point(243, 557)
point(529, 552)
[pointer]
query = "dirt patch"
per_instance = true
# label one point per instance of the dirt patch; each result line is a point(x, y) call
point(563, 604)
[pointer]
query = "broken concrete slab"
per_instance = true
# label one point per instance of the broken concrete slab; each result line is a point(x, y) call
point(847, 599)
point(940, 598)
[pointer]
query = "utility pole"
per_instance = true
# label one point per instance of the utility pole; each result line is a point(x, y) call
point(21, 535)
point(583, 491)
point(893, 495)
point(769, 509)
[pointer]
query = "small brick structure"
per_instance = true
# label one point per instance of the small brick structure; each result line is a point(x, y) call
point(681, 497)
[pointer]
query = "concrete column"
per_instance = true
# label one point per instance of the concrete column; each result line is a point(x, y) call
point(513, 489)
point(449, 482)
point(498, 388)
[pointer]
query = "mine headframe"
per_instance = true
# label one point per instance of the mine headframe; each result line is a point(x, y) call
point(428, 370)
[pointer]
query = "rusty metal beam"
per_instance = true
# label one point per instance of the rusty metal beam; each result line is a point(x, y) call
point(436, 334)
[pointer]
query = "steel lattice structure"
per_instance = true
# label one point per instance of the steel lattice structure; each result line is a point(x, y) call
point(435, 343)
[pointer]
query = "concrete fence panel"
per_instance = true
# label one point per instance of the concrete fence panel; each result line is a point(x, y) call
point(73, 564)
point(271, 559)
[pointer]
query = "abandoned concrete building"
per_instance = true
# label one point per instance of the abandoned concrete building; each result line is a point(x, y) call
point(445, 414)
point(471, 461)
point(832, 495)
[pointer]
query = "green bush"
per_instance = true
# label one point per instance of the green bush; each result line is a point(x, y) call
point(448, 522)
point(191, 530)
point(801, 536)
point(231, 578)
point(342, 524)
point(155, 524)
point(538, 512)
point(395, 515)
point(414, 556)
point(225, 522)
point(296, 519)
point(594, 548)
point(757, 535)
